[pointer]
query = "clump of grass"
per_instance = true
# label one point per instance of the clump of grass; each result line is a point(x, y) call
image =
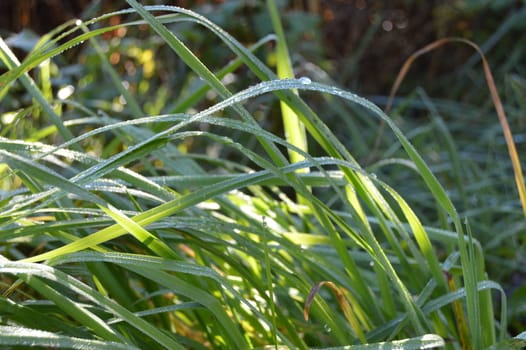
point(117, 233)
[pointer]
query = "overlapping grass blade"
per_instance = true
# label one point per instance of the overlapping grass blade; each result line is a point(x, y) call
point(20, 336)
point(23, 270)
point(426, 341)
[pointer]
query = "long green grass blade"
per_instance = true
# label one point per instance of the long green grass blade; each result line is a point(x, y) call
point(21, 336)
point(294, 129)
point(48, 273)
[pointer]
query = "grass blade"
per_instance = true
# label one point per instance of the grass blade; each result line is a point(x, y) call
point(20, 336)
point(294, 129)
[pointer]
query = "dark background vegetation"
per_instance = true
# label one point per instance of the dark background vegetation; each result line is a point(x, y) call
point(360, 45)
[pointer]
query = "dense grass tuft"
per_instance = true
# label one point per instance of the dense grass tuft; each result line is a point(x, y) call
point(135, 217)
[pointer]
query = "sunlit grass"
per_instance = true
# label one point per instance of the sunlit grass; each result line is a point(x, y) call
point(197, 228)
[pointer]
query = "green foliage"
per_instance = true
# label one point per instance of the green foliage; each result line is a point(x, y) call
point(156, 207)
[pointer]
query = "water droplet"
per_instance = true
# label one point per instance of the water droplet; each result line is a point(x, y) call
point(327, 328)
point(8, 118)
point(373, 176)
point(305, 80)
point(387, 25)
point(65, 92)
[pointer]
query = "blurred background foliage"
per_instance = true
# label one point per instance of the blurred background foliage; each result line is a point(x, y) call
point(356, 44)
point(350, 39)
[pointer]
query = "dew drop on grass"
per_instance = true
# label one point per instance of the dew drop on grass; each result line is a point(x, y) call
point(305, 80)
point(8, 118)
point(65, 92)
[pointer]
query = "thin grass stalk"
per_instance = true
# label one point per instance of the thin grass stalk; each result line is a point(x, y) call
point(270, 282)
point(294, 128)
point(508, 136)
